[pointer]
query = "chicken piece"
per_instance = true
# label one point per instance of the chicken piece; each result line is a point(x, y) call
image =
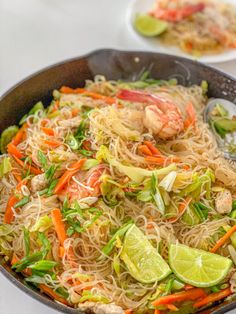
point(39, 182)
point(100, 308)
point(223, 202)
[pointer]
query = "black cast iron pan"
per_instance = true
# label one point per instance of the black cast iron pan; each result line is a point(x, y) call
point(114, 64)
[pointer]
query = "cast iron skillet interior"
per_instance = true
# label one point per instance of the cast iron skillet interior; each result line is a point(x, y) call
point(114, 65)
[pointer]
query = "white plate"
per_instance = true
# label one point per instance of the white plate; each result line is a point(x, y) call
point(153, 44)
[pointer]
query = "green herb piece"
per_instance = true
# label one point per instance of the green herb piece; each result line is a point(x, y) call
point(42, 159)
point(51, 187)
point(107, 249)
point(50, 172)
point(156, 195)
point(85, 152)
point(22, 202)
point(169, 286)
point(5, 166)
point(43, 265)
point(26, 241)
point(38, 106)
point(6, 137)
point(72, 142)
point(234, 204)
point(26, 261)
point(46, 245)
point(35, 279)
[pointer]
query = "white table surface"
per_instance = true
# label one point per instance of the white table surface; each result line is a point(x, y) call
point(37, 33)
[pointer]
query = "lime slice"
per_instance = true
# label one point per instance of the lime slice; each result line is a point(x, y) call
point(149, 26)
point(197, 267)
point(143, 261)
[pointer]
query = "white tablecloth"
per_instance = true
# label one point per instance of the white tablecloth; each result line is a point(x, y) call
point(37, 33)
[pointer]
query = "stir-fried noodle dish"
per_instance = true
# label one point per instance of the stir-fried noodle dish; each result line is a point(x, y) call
point(116, 199)
point(197, 27)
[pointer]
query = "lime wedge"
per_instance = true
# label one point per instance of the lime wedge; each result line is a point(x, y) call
point(143, 261)
point(149, 26)
point(197, 267)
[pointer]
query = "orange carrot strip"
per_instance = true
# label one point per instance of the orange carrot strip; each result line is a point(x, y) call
point(223, 239)
point(191, 120)
point(61, 251)
point(145, 150)
point(153, 149)
point(75, 111)
point(12, 150)
point(9, 216)
point(213, 297)
point(55, 106)
point(53, 144)
point(48, 131)
point(156, 160)
point(17, 176)
point(188, 287)
point(157, 311)
point(129, 311)
point(192, 294)
point(51, 293)
point(172, 307)
point(29, 167)
point(87, 145)
point(184, 204)
point(59, 225)
point(68, 90)
point(19, 137)
point(186, 167)
point(67, 175)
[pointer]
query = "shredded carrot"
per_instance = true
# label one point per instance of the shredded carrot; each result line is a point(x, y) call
point(61, 251)
point(213, 297)
point(106, 99)
point(75, 111)
point(191, 120)
point(143, 149)
point(9, 216)
point(223, 239)
point(12, 150)
point(172, 307)
point(157, 311)
point(17, 176)
point(87, 145)
point(68, 90)
point(188, 287)
point(59, 225)
point(19, 137)
point(186, 167)
point(192, 294)
point(52, 143)
point(48, 131)
point(184, 204)
point(26, 166)
point(51, 293)
point(65, 178)
point(129, 311)
point(155, 151)
point(55, 106)
point(156, 160)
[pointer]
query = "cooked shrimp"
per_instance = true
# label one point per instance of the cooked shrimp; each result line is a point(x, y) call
point(163, 118)
point(91, 186)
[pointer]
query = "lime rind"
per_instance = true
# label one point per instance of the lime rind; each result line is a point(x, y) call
point(142, 260)
point(197, 267)
point(149, 26)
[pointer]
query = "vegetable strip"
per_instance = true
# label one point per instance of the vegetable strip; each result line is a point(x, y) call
point(223, 239)
point(213, 298)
